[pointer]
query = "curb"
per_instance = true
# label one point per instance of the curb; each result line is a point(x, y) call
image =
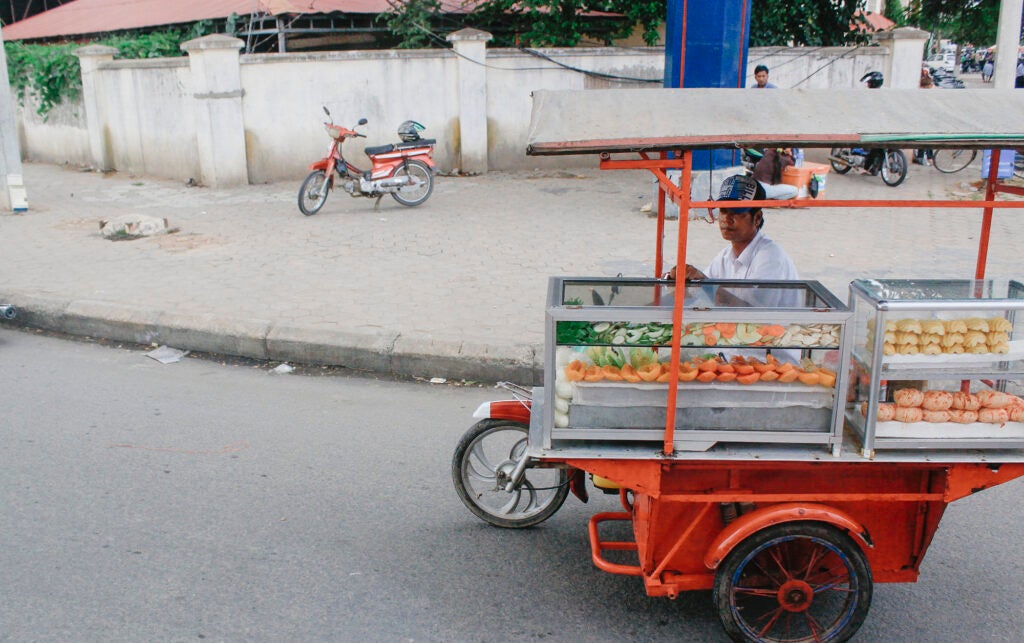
point(387, 353)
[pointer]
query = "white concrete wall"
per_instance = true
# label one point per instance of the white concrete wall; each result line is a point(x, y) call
point(148, 126)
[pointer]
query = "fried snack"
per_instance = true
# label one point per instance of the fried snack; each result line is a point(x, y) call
point(908, 349)
point(931, 349)
point(936, 400)
point(955, 349)
point(996, 399)
point(885, 413)
point(888, 349)
point(907, 338)
point(593, 374)
point(996, 337)
point(1000, 324)
point(965, 401)
point(1016, 413)
point(933, 327)
point(908, 325)
point(977, 323)
point(974, 338)
point(612, 373)
point(574, 370)
point(1001, 348)
point(949, 339)
point(936, 416)
point(993, 416)
point(955, 326)
point(629, 373)
point(930, 338)
point(963, 417)
point(908, 397)
point(908, 414)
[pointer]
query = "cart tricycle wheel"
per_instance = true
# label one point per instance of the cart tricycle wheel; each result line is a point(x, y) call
point(797, 581)
point(482, 464)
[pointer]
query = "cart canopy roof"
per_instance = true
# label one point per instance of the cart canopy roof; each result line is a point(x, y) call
point(634, 120)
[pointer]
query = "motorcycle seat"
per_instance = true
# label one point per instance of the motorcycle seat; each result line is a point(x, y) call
point(394, 147)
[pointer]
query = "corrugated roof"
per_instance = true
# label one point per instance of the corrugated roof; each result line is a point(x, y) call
point(630, 120)
point(100, 16)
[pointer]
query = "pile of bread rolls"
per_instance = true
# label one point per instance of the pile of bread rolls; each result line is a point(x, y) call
point(912, 405)
point(943, 336)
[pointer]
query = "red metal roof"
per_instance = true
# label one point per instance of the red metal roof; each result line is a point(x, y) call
point(100, 16)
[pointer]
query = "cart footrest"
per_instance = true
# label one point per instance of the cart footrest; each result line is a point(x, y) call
point(598, 546)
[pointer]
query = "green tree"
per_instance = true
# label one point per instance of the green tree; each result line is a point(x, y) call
point(813, 23)
point(962, 21)
point(894, 11)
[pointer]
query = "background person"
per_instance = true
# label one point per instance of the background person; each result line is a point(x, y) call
point(761, 78)
point(768, 172)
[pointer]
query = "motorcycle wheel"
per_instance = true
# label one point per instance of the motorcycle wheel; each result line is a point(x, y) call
point(423, 183)
point(485, 457)
point(949, 161)
point(839, 166)
point(894, 167)
point(313, 193)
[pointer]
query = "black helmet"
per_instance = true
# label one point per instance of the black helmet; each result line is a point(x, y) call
point(410, 131)
point(874, 79)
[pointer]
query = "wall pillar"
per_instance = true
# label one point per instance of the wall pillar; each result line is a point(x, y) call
point(12, 187)
point(89, 59)
point(1007, 40)
point(906, 53)
point(471, 47)
point(217, 93)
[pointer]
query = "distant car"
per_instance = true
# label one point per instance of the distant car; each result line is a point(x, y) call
point(945, 61)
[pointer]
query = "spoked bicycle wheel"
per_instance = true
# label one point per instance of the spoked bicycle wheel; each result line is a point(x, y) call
point(950, 161)
point(894, 167)
point(794, 582)
point(313, 193)
point(482, 465)
point(835, 158)
point(421, 183)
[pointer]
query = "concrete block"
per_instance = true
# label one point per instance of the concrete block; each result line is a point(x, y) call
point(420, 355)
point(210, 333)
point(366, 350)
point(120, 322)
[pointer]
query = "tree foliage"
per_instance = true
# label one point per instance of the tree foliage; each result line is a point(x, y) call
point(52, 74)
point(962, 21)
point(813, 23)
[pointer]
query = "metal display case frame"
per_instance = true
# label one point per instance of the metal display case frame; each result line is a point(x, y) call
point(821, 307)
point(871, 360)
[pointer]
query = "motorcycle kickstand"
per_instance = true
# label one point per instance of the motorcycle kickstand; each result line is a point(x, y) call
point(376, 204)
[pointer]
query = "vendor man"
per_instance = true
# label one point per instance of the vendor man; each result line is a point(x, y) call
point(750, 253)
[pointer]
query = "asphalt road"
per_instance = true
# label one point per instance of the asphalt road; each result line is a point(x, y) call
point(141, 501)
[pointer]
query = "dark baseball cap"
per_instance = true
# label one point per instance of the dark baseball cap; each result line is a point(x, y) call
point(740, 187)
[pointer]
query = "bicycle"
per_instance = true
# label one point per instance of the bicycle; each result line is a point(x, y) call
point(950, 161)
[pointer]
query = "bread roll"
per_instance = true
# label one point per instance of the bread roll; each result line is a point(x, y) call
point(999, 349)
point(907, 338)
point(976, 323)
point(936, 416)
point(930, 338)
point(996, 337)
point(955, 349)
point(909, 414)
point(996, 399)
point(963, 417)
point(993, 416)
point(885, 413)
point(949, 339)
point(908, 397)
point(1016, 413)
point(888, 349)
point(932, 327)
point(908, 349)
point(965, 401)
point(980, 349)
point(931, 349)
point(974, 338)
point(936, 401)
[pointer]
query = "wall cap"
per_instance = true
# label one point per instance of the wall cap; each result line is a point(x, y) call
point(213, 41)
point(469, 34)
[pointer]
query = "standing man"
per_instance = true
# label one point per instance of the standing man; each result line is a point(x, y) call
point(761, 78)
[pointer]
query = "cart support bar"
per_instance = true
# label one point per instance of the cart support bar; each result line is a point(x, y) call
point(597, 545)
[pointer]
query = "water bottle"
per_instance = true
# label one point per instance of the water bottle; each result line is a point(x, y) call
point(798, 157)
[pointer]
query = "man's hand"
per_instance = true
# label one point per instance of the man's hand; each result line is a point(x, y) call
point(692, 274)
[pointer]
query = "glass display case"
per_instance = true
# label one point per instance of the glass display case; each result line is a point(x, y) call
point(931, 362)
point(759, 362)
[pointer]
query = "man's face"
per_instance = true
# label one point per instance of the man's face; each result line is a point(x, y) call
point(762, 78)
point(737, 225)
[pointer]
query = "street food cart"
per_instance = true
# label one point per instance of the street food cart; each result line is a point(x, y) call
point(770, 441)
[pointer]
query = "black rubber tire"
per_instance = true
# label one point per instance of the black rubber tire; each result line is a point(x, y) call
point(418, 170)
point(317, 184)
point(949, 161)
point(840, 168)
point(767, 590)
point(894, 167)
point(541, 494)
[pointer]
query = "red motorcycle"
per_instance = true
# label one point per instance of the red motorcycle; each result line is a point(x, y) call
point(405, 170)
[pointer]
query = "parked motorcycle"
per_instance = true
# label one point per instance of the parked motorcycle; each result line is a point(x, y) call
point(894, 163)
point(405, 170)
